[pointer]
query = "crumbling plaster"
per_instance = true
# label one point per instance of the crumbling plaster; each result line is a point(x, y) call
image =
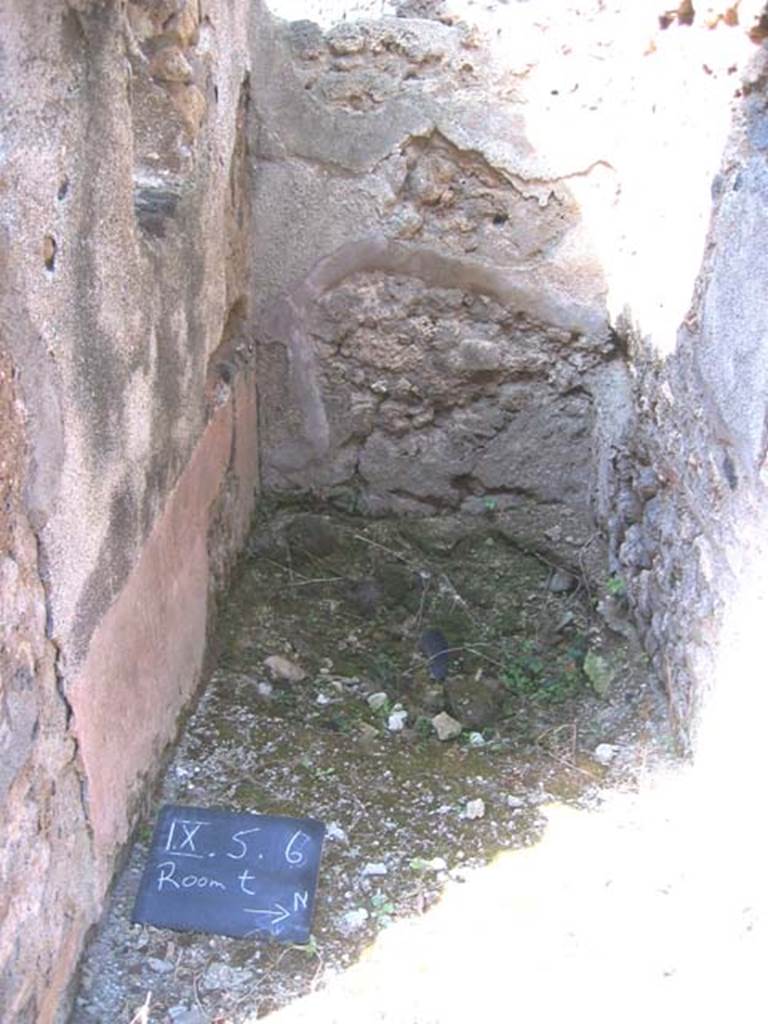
point(454, 247)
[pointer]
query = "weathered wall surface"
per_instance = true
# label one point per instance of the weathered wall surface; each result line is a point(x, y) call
point(692, 501)
point(434, 327)
point(129, 431)
point(466, 255)
point(492, 236)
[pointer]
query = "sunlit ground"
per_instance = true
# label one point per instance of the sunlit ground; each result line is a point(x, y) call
point(641, 910)
point(653, 907)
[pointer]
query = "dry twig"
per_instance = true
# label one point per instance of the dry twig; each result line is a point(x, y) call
point(142, 1014)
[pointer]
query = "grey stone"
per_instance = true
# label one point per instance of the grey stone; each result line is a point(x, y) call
point(436, 535)
point(220, 976)
point(375, 870)
point(282, 668)
point(599, 672)
point(377, 701)
point(312, 535)
point(159, 966)
point(634, 552)
point(437, 651)
point(447, 728)
point(353, 920)
point(367, 732)
point(474, 703)
point(561, 582)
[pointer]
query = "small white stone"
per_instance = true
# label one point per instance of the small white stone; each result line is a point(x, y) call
point(333, 830)
point(220, 976)
point(377, 701)
point(604, 753)
point(438, 864)
point(264, 689)
point(515, 803)
point(476, 739)
point(396, 721)
point(474, 809)
point(375, 870)
point(352, 920)
point(159, 966)
point(322, 698)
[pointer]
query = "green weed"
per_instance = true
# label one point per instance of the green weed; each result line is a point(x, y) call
point(529, 675)
point(616, 587)
point(382, 909)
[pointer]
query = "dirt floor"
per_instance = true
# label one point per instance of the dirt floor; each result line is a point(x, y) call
point(326, 701)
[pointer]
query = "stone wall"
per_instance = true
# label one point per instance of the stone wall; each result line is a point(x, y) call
point(465, 251)
point(501, 285)
point(434, 329)
point(129, 432)
point(691, 487)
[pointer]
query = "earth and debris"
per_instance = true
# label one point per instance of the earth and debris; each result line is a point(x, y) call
point(424, 687)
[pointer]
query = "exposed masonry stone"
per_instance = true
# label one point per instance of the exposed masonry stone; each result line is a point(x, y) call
point(415, 244)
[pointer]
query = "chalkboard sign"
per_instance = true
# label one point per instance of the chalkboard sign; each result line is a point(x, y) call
point(231, 874)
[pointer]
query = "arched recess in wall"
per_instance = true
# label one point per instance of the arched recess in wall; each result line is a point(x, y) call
point(421, 382)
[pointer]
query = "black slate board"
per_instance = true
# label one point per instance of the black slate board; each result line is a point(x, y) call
point(233, 874)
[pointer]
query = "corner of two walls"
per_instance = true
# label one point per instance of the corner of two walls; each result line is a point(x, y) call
point(128, 379)
point(620, 202)
point(130, 434)
point(433, 330)
point(689, 503)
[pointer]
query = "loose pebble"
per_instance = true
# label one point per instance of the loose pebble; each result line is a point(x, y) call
point(561, 582)
point(159, 966)
point(375, 870)
point(285, 669)
point(599, 672)
point(221, 976)
point(397, 719)
point(376, 701)
point(352, 920)
point(333, 830)
point(447, 728)
point(604, 753)
point(474, 809)
point(367, 731)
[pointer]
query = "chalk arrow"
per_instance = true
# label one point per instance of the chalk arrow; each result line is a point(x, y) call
point(277, 915)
